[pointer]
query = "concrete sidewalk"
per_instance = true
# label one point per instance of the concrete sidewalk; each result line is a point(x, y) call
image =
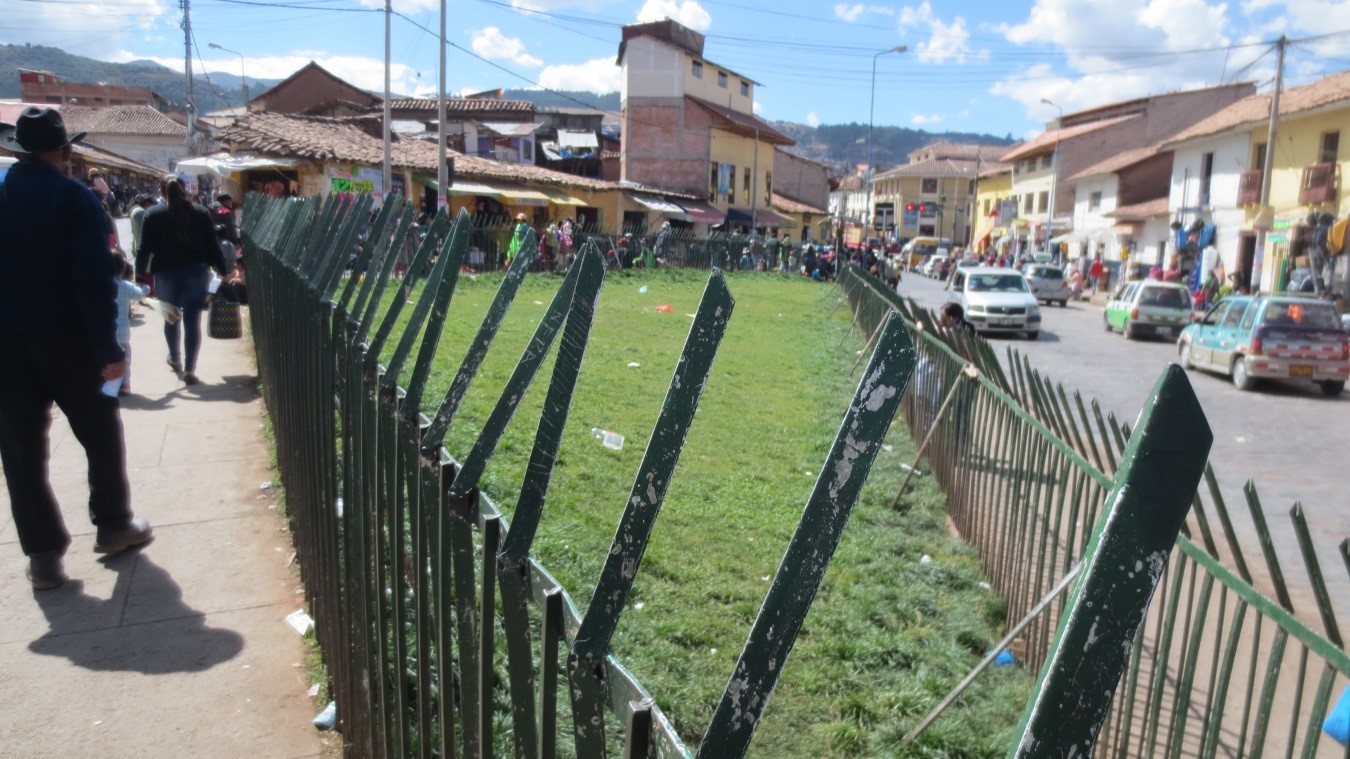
point(179, 649)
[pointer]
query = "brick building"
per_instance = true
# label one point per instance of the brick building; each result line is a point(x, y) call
point(689, 127)
point(46, 87)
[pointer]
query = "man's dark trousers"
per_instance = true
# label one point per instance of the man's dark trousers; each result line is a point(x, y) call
point(36, 370)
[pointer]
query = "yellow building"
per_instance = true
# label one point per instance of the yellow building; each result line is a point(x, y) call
point(992, 187)
point(933, 195)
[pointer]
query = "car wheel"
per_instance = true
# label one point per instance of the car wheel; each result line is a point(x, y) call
point(1033, 335)
point(1186, 362)
point(1128, 331)
point(1106, 323)
point(1241, 380)
point(1064, 304)
point(1331, 389)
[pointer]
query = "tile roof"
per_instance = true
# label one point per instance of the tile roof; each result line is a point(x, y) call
point(320, 70)
point(847, 184)
point(1045, 141)
point(742, 123)
point(325, 139)
point(788, 205)
point(1121, 160)
point(1147, 210)
point(969, 151)
point(97, 156)
point(121, 119)
point(934, 167)
point(1255, 110)
point(462, 105)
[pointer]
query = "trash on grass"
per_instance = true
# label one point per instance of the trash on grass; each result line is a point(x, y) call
point(665, 308)
point(611, 440)
point(314, 690)
point(633, 364)
point(327, 718)
point(642, 289)
point(300, 621)
point(266, 485)
point(926, 559)
point(1005, 659)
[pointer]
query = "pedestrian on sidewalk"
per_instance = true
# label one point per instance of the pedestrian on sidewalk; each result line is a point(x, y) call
point(178, 247)
point(128, 292)
point(58, 344)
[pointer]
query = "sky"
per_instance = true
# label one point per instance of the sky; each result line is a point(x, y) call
point(968, 65)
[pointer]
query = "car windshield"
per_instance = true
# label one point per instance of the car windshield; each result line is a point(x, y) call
point(1300, 314)
point(999, 283)
point(1165, 297)
point(1045, 272)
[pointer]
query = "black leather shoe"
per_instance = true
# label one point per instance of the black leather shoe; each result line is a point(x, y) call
point(45, 570)
point(137, 533)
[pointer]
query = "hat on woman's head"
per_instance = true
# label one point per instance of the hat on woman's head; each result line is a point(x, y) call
point(37, 130)
point(520, 217)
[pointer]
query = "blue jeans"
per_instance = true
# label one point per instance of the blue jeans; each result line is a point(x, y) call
point(185, 288)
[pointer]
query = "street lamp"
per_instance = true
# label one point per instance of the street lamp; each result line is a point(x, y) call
point(242, 79)
point(1054, 178)
point(871, 111)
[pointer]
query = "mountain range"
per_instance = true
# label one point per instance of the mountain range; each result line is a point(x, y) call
point(839, 146)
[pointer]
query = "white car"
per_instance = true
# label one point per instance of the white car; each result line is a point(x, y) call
point(996, 300)
point(930, 266)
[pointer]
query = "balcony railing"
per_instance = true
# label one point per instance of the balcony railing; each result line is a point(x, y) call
point(1249, 188)
point(1318, 184)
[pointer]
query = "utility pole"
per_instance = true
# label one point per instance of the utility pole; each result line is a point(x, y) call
point(1265, 217)
point(187, 67)
point(386, 175)
point(442, 171)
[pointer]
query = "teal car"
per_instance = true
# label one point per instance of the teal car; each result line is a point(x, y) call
point(1289, 337)
point(1149, 307)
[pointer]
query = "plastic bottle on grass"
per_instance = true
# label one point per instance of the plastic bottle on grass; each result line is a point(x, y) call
point(611, 440)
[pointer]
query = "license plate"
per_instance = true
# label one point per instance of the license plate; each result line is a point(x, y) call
point(1004, 322)
point(1299, 370)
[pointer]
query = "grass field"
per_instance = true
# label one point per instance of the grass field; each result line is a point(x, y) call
point(889, 634)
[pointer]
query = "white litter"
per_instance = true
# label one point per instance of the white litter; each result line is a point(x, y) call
point(339, 508)
point(314, 690)
point(266, 485)
point(926, 559)
point(639, 605)
point(300, 621)
point(328, 717)
point(633, 364)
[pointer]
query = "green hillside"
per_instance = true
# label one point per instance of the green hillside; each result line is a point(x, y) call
point(220, 91)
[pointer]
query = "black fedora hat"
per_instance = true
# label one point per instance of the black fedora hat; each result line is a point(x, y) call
point(37, 130)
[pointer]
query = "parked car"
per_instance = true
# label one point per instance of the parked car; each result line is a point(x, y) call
point(996, 300)
point(1149, 307)
point(1270, 336)
point(930, 267)
point(1047, 283)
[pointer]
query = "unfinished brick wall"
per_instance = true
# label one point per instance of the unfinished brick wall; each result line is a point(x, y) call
point(666, 145)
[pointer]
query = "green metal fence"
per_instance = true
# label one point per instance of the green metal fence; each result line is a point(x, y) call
point(412, 572)
point(1217, 668)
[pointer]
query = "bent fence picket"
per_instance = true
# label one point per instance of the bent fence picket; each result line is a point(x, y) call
point(407, 563)
point(1217, 668)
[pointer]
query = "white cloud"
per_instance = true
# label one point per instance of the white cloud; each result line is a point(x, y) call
point(404, 6)
point(812, 120)
point(947, 41)
point(366, 73)
point(548, 5)
point(597, 75)
point(1097, 74)
point(687, 12)
point(920, 119)
point(493, 45)
point(102, 30)
point(849, 13)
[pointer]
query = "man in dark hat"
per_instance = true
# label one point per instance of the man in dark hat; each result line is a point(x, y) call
point(58, 344)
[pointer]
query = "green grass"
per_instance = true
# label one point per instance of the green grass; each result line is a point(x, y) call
point(888, 635)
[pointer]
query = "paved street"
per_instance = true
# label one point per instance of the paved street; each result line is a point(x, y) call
point(1292, 442)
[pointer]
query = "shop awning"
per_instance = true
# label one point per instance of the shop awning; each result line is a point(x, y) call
point(519, 196)
point(702, 213)
point(560, 198)
point(221, 164)
point(763, 218)
point(656, 204)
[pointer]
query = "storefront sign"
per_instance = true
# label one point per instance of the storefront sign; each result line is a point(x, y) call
point(355, 179)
